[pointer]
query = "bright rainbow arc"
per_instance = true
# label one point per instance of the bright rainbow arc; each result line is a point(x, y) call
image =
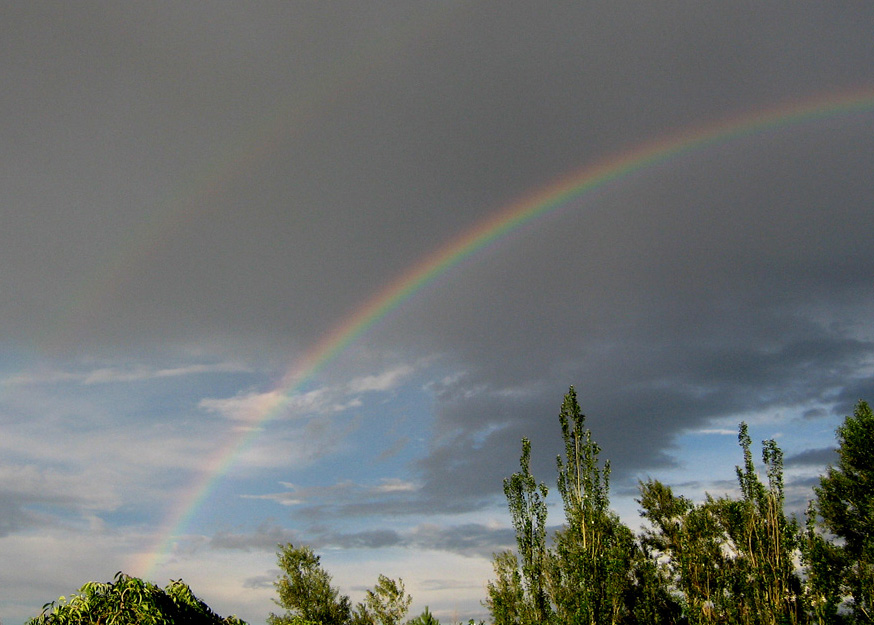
point(521, 212)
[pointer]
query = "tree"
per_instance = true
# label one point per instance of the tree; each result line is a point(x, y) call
point(688, 541)
point(824, 565)
point(845, 503)
point(732, 560)
point(305, 590)
point(506, 597)
point(131, 601)
point(590, 577)
point(763, 543)
point(425, 618)
point(527, 502)
point(386, 604)
point(594, 551)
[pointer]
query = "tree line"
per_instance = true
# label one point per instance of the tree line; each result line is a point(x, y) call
point(727, 560)
point(734, 560)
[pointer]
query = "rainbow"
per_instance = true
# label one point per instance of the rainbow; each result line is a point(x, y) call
point(524, 210)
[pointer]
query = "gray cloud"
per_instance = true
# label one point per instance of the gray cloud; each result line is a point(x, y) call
point(14, 516)
point(260, 581)
point(469, 539)
point(266, 537)
point(369, 539)
point(813, 457)
point(431, 137)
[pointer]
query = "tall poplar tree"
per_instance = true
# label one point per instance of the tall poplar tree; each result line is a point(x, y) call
point(594, 551)
point(763, 542)
point(527, 502)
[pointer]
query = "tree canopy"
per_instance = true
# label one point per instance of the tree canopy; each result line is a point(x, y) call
point(306, 594)
point(733, 559)
point(845, 504)
point(131, 601)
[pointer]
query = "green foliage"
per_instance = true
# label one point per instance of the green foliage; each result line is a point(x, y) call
point(130, 600)
point(527, 502)
point(845, 503)
point(305, 591)
point(730, 560)
point(596, 573)
point(765, 542)
point(824, 566)
point(506, 597)
point(591, 572)
point(649, 595)
point(687, 542)
point(386, 604)
point(425, 618)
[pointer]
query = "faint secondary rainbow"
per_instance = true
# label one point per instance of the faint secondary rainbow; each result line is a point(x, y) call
point(524, 210)
point(335, 81)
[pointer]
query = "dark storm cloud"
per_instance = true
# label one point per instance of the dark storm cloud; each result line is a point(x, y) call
point(241, 180)
point(269, 536)
point(290, 148)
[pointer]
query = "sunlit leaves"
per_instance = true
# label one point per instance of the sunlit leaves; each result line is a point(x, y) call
point(128, 601)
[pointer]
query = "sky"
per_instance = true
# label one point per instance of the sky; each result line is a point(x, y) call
point(308, 272)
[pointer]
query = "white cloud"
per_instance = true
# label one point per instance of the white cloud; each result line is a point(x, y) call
point(297, 445)
point(347, 492)
point(118, 374)
point(395, 485)
point(254, 406)
point(251, 406)
point(384, 381)
point(718, 431)
point(283, 499)
point(137, 373)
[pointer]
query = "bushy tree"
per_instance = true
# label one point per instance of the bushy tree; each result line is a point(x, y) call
point(764, 542)
point(131, 601)
point(687, 543)
point(306, 593)
point(506, 597)
point(425, 618)
point(386, 604)
point(732, 560)
point(305, 590)
point(824, 565)
point(845, 503)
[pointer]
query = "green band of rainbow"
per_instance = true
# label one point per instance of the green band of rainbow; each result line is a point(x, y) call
point(524, 210)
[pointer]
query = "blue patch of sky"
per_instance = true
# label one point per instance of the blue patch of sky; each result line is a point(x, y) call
point(383, 437)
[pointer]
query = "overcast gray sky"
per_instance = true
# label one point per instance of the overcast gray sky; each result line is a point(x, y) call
point(196, 194)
